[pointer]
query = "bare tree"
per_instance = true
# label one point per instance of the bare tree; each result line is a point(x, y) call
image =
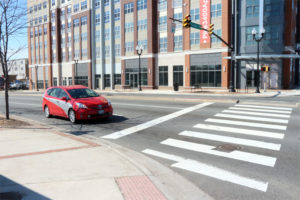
point(12, 23)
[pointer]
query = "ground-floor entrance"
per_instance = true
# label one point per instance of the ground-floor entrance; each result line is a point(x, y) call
point(133, 80)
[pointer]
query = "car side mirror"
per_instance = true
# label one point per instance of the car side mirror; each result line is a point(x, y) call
point(64, 98)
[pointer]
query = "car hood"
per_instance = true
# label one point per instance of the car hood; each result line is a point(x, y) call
point(92, 101)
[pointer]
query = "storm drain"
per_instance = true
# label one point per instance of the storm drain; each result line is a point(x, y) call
point(227, 148)
point(11, 196)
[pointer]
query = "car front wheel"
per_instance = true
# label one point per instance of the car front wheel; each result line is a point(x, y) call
point(72, 116)
point(47, 112)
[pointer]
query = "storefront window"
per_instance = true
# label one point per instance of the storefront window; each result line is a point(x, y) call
point(178, 75)
point(206, 75)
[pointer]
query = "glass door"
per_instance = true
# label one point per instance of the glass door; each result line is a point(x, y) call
point(133, 80)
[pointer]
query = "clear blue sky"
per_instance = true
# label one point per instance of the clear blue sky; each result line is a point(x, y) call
point(20, 40)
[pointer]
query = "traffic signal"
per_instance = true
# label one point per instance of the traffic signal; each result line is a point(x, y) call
point(265, 69)
point(187, 21)
point(211, 29)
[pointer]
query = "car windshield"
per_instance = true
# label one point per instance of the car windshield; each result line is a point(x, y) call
point(82, 93)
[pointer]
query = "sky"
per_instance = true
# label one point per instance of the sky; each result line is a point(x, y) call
point(20, 40)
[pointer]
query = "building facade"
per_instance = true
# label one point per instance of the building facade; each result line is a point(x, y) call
point(93, 43)
point(17, 68)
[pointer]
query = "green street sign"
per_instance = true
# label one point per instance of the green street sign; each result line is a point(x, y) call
point(194, 25)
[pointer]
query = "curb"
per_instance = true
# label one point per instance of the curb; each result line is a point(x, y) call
point(170, 183)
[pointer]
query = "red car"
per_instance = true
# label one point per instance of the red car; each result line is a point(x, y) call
point(76, 103)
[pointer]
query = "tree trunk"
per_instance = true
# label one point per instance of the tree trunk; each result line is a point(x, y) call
point(6, 97)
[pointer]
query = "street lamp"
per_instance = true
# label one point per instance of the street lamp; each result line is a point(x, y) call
point(76, 63)
point(258, 37)
point(139, 51)
point(37, 82)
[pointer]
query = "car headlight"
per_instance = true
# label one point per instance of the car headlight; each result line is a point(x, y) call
point(108, 102)
point(80, 105)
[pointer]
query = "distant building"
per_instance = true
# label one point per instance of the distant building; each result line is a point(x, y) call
point(18, 68)
point(93, 43)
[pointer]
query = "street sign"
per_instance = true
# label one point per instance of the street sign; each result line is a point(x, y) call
point(197, 26)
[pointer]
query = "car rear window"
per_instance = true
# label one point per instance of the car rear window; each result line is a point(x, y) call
point(82, 93)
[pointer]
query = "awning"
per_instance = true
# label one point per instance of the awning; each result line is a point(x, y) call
point(266, 57)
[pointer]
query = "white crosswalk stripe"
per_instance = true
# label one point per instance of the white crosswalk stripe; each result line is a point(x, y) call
point(264, 119)
point(240, 131)
point(237, 155)
point(264, 107)
point(260, 110)
point(256, 113)
point(233, 140)
point(250, 124)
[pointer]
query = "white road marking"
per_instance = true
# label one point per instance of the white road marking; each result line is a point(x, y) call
point(261, 110)
point(154, 122)
point(210, 171)
point(29, 104)
point(214, 172)
point(256, 113)
point(237, 155)
point(147, 106)
point(241, 131)
point(264, 107)
point(163, 155)
point(250, 124)
point(233, 140)
point(282, 121)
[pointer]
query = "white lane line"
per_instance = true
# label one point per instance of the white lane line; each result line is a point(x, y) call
point(154, 122)
point(264, 107)
point(256, 113)
point(214, 172)
point(210, 171)
point(250, 124)
point(240, 131)
point(29, 104)
point(147, 106)
point(236, 155)
point(261, 110)
point(264, 119)
point(233, 140)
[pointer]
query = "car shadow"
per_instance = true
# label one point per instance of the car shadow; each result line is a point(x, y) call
point(114, 119)
point(11, 190)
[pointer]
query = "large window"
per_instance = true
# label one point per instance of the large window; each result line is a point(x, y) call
point(106, 17)
point(141, 4)
point(178, 43)
point(178, 75)
point(163, 44)
point(272, 7)
point(117, 14)
point(117, 32)
point(177, 3)
point(106, 80)
point(249, 37)
point(195, 38)
point(117, 79)
point(131, 76)
point(128, 8)
point(142, 24)
point(195, 14)
point(252, 8)
point(206, 75)
point(163, 76)
point(76, 8)
point(162, 5)
point(84, 5)
point(214, 39)
point(162, 23)
point(83, 20)
point(216, 10)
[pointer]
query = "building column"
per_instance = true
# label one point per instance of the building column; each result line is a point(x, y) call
point(225, 70)
point(187, 70)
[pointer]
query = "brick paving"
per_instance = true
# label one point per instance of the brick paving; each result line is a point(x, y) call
point(138, 188)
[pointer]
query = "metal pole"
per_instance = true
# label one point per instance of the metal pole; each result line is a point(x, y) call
point(232, 63)
point(257, 75)
point(37, 82)
point(140, 81)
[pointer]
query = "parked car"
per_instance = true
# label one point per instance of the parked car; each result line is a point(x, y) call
point(76, 103)
point(17, 85)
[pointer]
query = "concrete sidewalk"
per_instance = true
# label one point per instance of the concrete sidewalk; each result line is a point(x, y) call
point(38, 162)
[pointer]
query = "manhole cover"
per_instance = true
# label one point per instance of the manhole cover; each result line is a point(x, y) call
point(227, 147)
point(11, 196)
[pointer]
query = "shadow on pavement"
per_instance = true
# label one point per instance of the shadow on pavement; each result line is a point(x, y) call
point(10, 190)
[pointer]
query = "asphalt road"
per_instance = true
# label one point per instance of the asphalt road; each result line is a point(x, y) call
point(261, 161)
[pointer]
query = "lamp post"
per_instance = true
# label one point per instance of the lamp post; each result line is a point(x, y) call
point(139, 51)
point(37, 82)
point(257, 37)
point(76, 63)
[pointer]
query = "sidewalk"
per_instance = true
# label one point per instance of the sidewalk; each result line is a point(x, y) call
point(38, 162)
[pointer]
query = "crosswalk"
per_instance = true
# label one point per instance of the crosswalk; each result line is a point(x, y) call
point(231, 126)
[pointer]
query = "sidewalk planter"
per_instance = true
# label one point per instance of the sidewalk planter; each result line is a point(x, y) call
point(176, 85)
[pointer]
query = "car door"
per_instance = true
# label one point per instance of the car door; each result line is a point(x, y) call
point(64, 105)
point(52, 101)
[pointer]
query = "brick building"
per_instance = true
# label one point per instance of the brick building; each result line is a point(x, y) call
point(92, 42)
